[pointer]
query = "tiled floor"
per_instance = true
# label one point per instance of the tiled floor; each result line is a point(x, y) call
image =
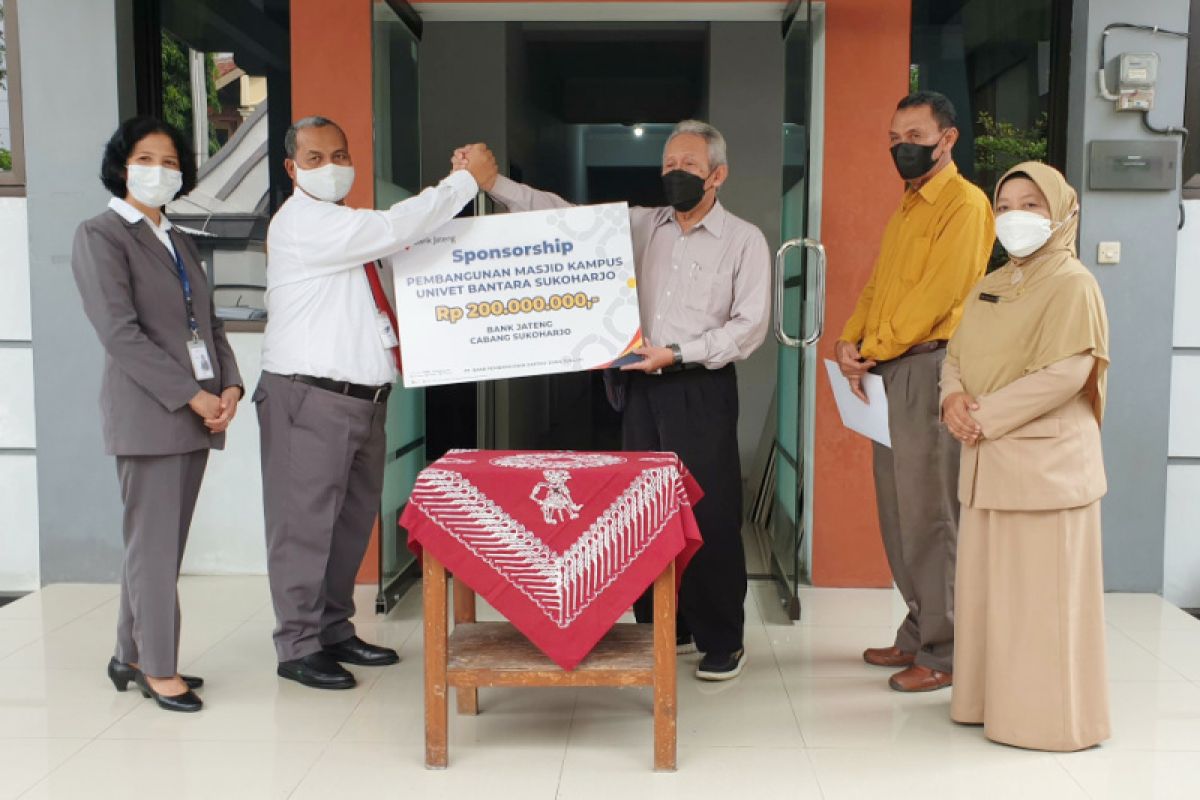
point(808, 718)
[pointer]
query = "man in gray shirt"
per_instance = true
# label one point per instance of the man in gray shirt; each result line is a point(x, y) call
point(704, 289)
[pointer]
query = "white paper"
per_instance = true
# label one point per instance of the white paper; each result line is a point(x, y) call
point(871, 420)
point(503, 296)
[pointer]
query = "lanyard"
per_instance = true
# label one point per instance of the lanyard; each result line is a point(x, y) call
point(384, 307)
point(187, 293)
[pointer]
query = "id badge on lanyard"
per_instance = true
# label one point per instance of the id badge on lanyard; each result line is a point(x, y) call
point(202, 366)
point(201, 363)
point(387, 334)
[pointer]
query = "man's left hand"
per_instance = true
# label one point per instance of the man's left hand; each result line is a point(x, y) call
point(653, 359)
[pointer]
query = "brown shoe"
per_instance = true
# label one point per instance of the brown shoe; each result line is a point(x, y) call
point(920, 679)
point(888, 657)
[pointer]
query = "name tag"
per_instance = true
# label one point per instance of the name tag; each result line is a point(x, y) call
point(387, 334)
point(201, 363)
point(989, 298)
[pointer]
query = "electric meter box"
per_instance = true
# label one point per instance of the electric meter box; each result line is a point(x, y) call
point(1133, 165)
point(1138, 74)
point(1138, 70)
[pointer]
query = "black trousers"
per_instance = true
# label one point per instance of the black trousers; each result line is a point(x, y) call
point(694, 414)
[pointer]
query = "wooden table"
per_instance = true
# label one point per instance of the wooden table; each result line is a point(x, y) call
point(488, 654)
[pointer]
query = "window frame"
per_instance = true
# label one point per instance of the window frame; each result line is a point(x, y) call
point(1060, 84)
point(12, 182)
point(1191, 110)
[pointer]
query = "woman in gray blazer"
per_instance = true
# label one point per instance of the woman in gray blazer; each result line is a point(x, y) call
point(170, 388)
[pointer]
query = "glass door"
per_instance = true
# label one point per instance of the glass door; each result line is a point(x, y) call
point(397, 176)
point(799, 309)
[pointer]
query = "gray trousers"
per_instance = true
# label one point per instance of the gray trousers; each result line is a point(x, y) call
point(916, 487)
point(159, 494)
point(322, 465)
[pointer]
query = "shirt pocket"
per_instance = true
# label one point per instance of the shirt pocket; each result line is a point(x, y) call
point(708, 289)
point(916, 259)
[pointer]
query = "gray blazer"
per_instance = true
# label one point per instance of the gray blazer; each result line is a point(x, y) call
point(132, 295)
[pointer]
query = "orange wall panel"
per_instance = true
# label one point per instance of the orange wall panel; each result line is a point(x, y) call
point(866, 68)
point(331, 76)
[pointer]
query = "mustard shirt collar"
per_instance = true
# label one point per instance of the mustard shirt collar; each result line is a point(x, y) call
point(933, 189)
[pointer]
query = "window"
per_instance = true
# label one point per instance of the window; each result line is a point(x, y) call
point(1003, 66)
point(397, 110)
point(218, 70)
point(222, 108)
point(12, 161)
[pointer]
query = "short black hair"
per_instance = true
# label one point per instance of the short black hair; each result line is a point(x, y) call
point(315, 121)
point(938, 103)
point(120, 148)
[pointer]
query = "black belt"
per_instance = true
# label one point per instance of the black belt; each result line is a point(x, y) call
point(916, 350)
point(376, 394)
point(681, 368)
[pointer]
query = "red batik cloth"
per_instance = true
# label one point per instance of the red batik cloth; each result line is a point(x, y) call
point(560, 543)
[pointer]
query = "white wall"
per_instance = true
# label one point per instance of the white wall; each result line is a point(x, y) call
point(19, 557)
point(1181, 578)
point(227, 534)
point(14, 271)
point(18, 523)
point(1187, 279)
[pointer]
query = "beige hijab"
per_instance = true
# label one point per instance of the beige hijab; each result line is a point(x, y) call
point(1047, 306)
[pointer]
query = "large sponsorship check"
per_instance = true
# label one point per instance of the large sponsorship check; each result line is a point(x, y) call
point(518, 294)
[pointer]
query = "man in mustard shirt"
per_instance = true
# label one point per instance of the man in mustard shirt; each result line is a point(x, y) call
point(935, 248)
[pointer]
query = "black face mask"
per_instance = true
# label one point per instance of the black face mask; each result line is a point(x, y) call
point(913, 160)
point(683, 189)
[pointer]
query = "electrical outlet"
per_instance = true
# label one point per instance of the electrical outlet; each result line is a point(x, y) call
point(1109, 253)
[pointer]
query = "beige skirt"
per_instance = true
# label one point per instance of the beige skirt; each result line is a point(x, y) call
point(1029, 655)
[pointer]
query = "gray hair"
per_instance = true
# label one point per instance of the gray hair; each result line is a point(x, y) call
point(716, 142)
point(289, 138)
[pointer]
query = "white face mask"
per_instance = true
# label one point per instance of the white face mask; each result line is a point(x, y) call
point(153, 186)
point(1023, 233)
point(331, 182)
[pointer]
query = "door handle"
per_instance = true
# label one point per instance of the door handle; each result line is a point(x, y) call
point(819, 260)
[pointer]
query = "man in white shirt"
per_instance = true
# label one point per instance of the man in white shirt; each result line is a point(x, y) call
point(329, 359)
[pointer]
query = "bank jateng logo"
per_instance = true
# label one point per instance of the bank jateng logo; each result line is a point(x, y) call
point(429, 240)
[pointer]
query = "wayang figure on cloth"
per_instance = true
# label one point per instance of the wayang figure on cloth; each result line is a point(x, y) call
point(556, 504)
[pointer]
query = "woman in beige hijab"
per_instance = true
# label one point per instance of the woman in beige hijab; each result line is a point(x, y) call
point(1023, 390)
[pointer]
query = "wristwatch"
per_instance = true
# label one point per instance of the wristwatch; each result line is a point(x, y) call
point(677, 352)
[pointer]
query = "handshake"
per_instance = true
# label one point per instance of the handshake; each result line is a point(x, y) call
point(479, 161)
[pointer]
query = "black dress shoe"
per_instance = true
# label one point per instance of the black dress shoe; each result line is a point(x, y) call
point(318, 670)
point(187, 702)
point(122, 674)
point(355, 651)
